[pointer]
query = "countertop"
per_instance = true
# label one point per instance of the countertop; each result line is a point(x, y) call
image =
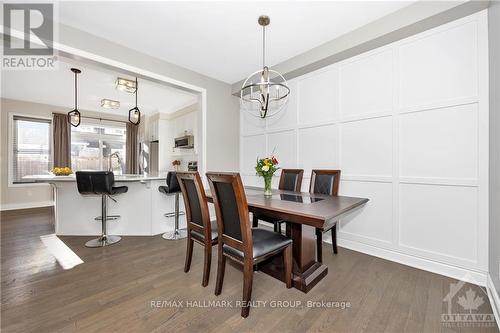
point(72, 178)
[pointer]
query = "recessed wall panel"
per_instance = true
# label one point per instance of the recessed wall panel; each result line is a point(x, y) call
point(366, 85)
point(317, 97)
point(283, 145)
point(317, 148)
point(374, 220)
point(366, 147)
point(439, 67)
point(441, 220)
point(253, 146)
point(440, 143)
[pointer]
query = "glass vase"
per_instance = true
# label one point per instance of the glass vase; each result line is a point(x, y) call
point(267, 186)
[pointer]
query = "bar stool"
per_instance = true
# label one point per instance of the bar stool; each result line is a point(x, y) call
point(173, 188)
point(100, 183)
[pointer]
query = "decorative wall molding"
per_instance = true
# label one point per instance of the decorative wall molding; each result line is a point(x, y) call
point(494, 298)
point(409, 130)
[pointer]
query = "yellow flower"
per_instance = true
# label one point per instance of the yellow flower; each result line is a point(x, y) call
point(265, 168)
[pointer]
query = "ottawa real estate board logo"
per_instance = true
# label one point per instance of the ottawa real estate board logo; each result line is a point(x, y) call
point(28, 35)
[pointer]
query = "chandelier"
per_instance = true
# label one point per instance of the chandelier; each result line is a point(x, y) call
point(265, 92)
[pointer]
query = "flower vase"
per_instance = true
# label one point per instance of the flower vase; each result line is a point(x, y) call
point(267, 186)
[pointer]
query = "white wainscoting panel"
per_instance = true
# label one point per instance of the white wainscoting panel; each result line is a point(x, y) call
point(366, 147)
point(318, 97)
point(255, 146)
point(407, 124)
point(283, 145)
point(439, 65)
point(440, 143)
point(440, 220)
point(367, 83)
point(317, 148)
point(374, 221)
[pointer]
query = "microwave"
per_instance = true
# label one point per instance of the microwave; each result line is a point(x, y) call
point(185, 142)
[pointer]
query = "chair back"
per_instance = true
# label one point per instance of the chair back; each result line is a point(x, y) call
point(172, 182)
point(291, 180)
point(325, 182)
point(95, 182)
point(231, 209)
point(195, 200)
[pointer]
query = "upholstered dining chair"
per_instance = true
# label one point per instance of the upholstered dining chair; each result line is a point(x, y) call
point(290, 180)
point(325, 182)
point(238, 241)
point(200, 228)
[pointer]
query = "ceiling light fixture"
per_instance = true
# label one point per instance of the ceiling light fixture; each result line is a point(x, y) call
point(127, 85)
point(261, 95)
point(74, 116)
point(134, 114)
point(110, 104)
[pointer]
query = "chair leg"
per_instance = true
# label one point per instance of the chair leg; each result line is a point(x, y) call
point(206, 264)
point(334, 239)
point(276, 225)
point(189, 255)
point(287, 263)
point(319, 244)
point(247, 287)
point(221, 267)
point(279, 227)
point(255, 221)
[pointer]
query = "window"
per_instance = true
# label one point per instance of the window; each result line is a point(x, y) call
point(31, 147)
point(91, 145)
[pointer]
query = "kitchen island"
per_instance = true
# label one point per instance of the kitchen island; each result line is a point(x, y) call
point(141, 209)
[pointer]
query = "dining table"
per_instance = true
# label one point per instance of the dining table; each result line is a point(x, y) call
point(303, 212)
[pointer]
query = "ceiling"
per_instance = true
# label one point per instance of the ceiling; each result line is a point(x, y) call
point(222, 39)
point(56, 87)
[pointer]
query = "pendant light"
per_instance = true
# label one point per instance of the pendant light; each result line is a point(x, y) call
point(74, 116)
point(265, 92)
point(134, 114)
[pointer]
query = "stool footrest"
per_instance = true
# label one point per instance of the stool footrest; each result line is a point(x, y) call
point(172, 214)
point(109, 218)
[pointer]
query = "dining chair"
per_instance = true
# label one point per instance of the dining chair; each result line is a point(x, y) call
point(238, 241)
point(200, 228)
point(325, 182)
point(290, 180)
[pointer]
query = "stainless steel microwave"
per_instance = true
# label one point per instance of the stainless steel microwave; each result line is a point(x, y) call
point(185, 142)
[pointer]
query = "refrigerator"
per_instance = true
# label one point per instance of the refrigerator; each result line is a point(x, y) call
point(148, 158)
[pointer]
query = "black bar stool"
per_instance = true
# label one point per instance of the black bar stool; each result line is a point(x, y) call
point(173, 188)
point(100, 183)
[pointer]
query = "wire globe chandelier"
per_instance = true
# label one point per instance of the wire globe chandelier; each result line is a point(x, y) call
point(265, 92)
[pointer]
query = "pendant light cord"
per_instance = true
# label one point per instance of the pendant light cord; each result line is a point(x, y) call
point(76, 91)
point(263, 46)
point(136, 91)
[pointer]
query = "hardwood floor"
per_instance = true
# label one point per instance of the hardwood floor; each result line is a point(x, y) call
point(113, 290)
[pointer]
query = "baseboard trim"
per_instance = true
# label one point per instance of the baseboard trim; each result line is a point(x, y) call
point(459, 273)
point(494, 299)
point(26, 205)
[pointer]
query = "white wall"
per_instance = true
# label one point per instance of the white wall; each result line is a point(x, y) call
point(408, 126)
point(494, 48)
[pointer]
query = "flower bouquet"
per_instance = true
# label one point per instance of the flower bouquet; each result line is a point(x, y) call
point(266, 167)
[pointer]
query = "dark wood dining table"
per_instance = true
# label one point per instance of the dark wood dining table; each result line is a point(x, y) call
point(303, 212)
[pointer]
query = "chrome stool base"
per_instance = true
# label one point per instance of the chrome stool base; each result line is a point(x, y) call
point(175, 235)
point(103, 241)
point(173, 214)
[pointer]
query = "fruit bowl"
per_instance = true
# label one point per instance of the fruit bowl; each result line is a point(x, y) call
point(62, 171)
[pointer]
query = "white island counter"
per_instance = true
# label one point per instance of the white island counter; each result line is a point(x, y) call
point(141, 209)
